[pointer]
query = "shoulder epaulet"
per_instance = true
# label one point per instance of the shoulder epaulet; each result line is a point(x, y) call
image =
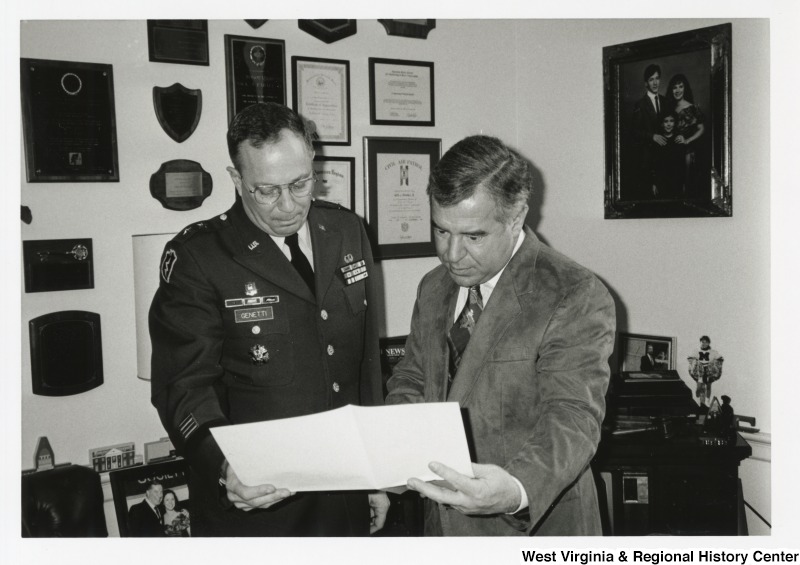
point(191, 230)
point(326, 204)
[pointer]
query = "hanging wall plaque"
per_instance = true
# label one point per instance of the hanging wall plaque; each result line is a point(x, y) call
point(180, 185)
point(178, 110)
point(178, 41)
point(255, 71)
point(328, 30)
point(58, 264)
point(69, 121)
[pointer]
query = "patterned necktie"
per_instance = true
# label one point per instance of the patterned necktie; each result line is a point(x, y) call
point(458, 337)
point(300, 262)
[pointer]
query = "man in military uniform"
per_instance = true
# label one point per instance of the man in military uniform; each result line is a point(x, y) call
point(265, 312)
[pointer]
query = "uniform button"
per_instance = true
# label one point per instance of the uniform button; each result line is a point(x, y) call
point(256, 330)
point(324, 314)
point(330, 350)
point(365, 302)
point(223, 217)
point(335, 387)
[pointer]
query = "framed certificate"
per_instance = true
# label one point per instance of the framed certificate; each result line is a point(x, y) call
point(336, 180)
point(69, 122)
point(397, 206)
point(322, 94)
point(255, 71)
point(401, 93)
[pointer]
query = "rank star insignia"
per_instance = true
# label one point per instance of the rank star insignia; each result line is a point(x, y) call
point(259, 354)
point(250, 289)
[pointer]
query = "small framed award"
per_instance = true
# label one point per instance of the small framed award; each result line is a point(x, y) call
point(184, 42)
point(401, 93)
point(69, 122)
point(255, 71)
point(397, 207)
point(322, 94)
point(335, 180)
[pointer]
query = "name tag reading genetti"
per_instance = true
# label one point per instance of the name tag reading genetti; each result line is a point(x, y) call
point(253, 314)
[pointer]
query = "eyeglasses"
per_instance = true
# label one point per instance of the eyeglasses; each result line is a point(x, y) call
point(270, 193)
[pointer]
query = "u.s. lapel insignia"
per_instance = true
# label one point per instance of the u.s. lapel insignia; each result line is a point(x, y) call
point(348, 258)
point(168, 263)
point(252, 245)
point(320, 226)
point(250, 289)
point(259, 354)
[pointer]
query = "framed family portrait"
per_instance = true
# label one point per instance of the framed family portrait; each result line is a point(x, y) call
point(668, 126)
point(398, 212)
point(135, 516)
point(321, 93)
point(335, 180)
point(639, 352)
point(401, 93)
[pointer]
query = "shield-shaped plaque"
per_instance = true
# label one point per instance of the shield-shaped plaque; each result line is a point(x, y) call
point(178, 110)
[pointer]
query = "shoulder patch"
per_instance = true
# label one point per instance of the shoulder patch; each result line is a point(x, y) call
point(168, 263)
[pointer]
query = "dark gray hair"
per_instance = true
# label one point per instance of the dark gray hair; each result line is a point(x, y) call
point(482, 160)
point(262, 123)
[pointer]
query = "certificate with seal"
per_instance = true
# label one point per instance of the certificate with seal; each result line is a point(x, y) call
point(255, 72)
point(397, 207)
point(322, 94)
point(401, 93)
point(69, 122)
point(335, 180)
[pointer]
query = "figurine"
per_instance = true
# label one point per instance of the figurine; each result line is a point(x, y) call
point(705, 367)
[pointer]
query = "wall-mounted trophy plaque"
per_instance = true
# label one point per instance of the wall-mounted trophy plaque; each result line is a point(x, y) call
point(68, 121)
point(178, 41)
point(255, 71)
point(66, 353)
point(255, 24)
point(178, 110)
point(58, 264)
point(329, 30)
point(180, 184)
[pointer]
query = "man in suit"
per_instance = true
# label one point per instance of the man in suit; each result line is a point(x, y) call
point(519, 336)
point(647, 113)
point(266, 311)
point(145, 519)
point(647, 361)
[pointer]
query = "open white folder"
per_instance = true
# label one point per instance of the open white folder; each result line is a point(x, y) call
point(349, 448)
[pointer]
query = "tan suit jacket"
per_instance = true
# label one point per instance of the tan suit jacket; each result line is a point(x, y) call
point(531, 385)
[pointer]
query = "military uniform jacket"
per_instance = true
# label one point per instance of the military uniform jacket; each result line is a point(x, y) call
point(531, 385)
point(238, 337)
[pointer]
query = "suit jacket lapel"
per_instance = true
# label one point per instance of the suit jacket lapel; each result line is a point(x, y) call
point(327, 244)
point(255, 250)
point(501, 310)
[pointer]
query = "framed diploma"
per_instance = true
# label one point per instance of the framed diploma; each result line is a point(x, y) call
point(336, 180)
point(401, 93)
point(398, 211)
point(178, 41)
point(321, 93)
point(69, 122)
point(255, 72)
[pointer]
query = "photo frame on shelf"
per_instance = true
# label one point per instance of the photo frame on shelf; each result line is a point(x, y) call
point(398, 214)
point(321, 94)
point(401, 93)
point(418, 29)
point(335, 180)
point(640, 352)
point(129, 486)
point(668, 126)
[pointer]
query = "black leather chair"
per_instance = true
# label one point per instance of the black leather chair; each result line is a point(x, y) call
point(63, 502)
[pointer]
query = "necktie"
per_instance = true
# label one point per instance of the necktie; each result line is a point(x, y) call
point(658, 106)
point(458, 337)
point(158, 513)
point(300, 262)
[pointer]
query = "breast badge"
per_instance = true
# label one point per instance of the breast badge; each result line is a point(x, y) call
point(259, 354)
point(250, 289)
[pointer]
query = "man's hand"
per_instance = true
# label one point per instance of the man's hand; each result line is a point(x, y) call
point(492, 491)
point(247, 498)
point(660, 139)
point(378, 507)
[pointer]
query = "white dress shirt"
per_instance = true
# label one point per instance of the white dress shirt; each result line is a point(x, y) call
point(303, 240)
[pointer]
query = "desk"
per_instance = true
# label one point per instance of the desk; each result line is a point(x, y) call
point(671, 486)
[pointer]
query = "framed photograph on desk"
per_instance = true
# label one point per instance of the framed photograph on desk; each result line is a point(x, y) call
point(639, 352)
point(129, 488)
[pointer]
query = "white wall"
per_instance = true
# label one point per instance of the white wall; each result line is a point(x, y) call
point(535, 83)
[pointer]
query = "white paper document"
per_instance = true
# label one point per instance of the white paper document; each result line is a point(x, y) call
point(350, 448)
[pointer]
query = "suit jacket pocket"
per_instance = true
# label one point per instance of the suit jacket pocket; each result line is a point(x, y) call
point(263, 358)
